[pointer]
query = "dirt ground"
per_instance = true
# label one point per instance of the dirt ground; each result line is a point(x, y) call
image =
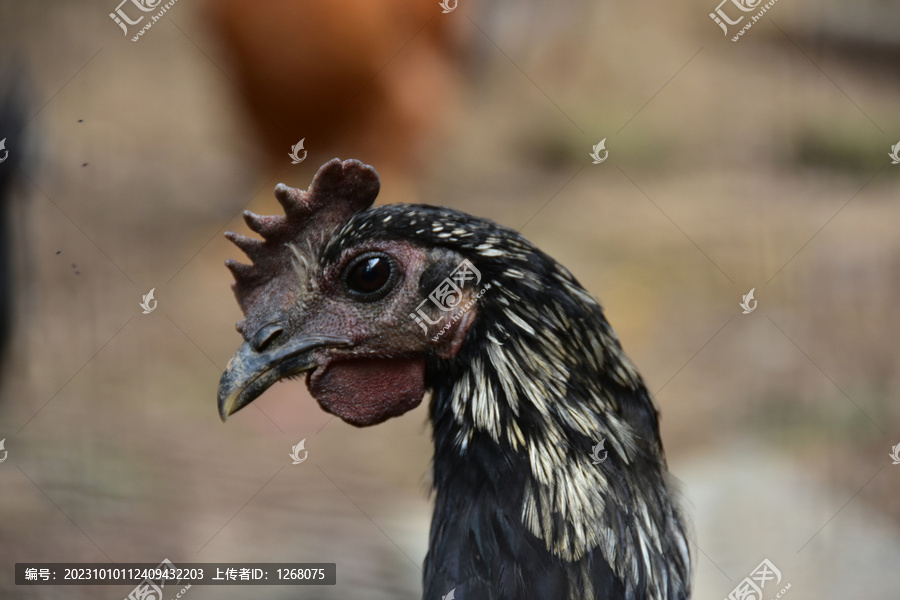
point(759, 164)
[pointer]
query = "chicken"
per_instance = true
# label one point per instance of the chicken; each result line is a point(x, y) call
point(13, 117)
point(549, 474)
point(371, 79)
point(6, 259)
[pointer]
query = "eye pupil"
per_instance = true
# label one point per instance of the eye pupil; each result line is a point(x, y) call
point(369, 275)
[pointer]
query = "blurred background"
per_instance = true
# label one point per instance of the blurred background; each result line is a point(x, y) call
point(761, 163)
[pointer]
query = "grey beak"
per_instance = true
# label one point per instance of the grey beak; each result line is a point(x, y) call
point(249, 373)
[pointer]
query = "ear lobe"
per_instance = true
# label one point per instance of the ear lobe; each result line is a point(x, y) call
point(461, 320)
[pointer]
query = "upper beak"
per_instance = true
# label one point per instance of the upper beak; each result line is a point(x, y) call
point(249, 373)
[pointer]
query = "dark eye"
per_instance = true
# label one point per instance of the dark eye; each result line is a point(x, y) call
point(370, 276)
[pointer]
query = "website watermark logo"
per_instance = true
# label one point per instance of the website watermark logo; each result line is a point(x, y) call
point(751, 588)
point(894, 154)
point(6, 152)
point(135, 8)
point(745, 303)
point(2, 442)
point(596, 153)
point(145, 302)
point(448, 296)
point(895, 453)
point(737, 8)
point(451, 595)
point(296, 159)
point(295, 452)
point(595, 452)
point(448, 6)
point(152, 587)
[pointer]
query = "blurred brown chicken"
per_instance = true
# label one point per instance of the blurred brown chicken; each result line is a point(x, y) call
point(372, 80)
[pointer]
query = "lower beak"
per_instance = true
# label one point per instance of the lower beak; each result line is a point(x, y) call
point(249, 373)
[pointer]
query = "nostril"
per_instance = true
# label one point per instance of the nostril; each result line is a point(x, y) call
point(266, 336)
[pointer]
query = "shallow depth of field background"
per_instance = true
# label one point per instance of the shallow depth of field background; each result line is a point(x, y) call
point(759, 164)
